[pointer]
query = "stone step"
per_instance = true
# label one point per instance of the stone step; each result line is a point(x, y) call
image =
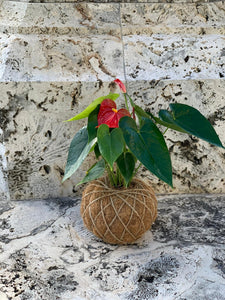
point(87, 42)
point(101, 58)
point(61, 19)
point(37, 140)
point(49, 254)
point(96, 18)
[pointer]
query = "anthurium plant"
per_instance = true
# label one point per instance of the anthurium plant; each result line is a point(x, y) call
point(125, 139)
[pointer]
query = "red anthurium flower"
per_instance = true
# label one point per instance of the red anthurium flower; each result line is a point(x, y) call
point(121, 85)
point(109, 115)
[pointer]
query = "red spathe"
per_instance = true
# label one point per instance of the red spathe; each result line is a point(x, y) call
point(109, 115)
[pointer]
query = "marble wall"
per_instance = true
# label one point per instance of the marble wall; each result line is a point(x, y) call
point(56, 58)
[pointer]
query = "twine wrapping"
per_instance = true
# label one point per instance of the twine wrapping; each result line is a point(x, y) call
point(118, 215)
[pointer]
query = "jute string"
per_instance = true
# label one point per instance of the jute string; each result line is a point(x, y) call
point(139, 198)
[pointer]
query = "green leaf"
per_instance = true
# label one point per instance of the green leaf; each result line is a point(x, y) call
point(192, 121)
point(85, 113)
point(126, 165)
point(96, 171)
point(93, 146)
point(166, 119)
point(78, 150)
point(141, 113)
point(92, 123)
point(134, 140)
point(96, 150)
point(111, 145)
point(156, 144)
point(148, 146)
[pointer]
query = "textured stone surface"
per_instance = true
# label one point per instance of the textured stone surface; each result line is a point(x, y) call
point(68, 40)
point(117, 1)
point(160, 41)
point(37, 140)
point(190, 19)
point(55, 59)
point(162, 57)
point(75, 61)
point(46, 253)
point(4, 190)
point(173, 42)
point(61, 19)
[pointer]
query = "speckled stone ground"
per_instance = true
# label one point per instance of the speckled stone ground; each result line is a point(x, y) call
point(46, 253)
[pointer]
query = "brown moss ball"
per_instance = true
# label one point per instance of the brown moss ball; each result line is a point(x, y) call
point(118, 215)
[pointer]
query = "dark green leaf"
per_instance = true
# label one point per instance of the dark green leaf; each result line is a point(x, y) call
point(92, 123)
point(97, 152)
point(133, 139)
point(126, 164)
point(96, 171)
point(167, 120)
point(141, 113)
point(192, 121)
point(156, 144)
point(85, 113)
point(111, 145)
point(78, 150)
point(144, 146)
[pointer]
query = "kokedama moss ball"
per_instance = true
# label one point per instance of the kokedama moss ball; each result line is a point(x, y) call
point(118, 215)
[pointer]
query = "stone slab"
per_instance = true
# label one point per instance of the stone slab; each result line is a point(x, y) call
point(61, 19)
point(37, 140)
point(170, 18)
point(60, 59)
point(4, 189)
point(168, 41)
point(74, 42)
point(86, 44)
point(46, 253)
point(115, 1)
point(172, 57)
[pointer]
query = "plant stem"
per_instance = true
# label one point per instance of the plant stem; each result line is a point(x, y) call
point(125, 97)
point(165, 130)
point(110, 174)
point(135, 171)
point(114, 179)
point(131, 101)
point(118, 176)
